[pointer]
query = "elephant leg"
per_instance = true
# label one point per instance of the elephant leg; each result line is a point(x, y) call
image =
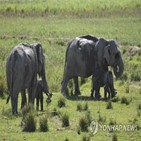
point(24, 100)
point(77, 90)
point(41, 101)
point(93, 88)
point(37, 103)
point(29, 95)
point(64, 86)
point(14, 102)
point(111, 85)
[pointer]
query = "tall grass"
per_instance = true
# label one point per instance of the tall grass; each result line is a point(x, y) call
point(74, 6)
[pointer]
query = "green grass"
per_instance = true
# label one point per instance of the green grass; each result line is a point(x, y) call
point(54, 23)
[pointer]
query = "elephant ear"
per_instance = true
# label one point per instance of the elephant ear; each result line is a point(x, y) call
point(39, 52)
point(100, 49)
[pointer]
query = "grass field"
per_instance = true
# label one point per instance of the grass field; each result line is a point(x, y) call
point(54, 23)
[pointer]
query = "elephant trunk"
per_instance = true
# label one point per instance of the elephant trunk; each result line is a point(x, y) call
point(45, 85)
point(118, 68)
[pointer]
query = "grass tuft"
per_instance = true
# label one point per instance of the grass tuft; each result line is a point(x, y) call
point(124, 100)
point(61, 102)
point(43, 124)
point(65, 120)
point(109, 105)
point(29, 123)
point(83, 124)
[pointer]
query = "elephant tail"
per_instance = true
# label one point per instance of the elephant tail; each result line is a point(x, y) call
point(7, 99)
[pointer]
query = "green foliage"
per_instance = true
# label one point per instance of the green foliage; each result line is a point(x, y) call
point(65, 120)
point(61, 102)
point(43, 124)
point(109, 105)
point(29, 123)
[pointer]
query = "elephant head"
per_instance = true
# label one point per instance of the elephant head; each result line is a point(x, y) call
point(108, 54)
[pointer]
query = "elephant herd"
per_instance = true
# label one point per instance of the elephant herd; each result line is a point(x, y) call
point(85, 56)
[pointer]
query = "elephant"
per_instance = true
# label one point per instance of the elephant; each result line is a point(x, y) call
point(85, 53)
point(106, 80)
point(24, 64)
point(39, 94)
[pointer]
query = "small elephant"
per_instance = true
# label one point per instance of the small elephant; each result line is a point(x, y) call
point(39, 94)
point(106, 81)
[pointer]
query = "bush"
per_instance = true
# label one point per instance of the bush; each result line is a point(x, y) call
point(43, 124)
point(29, 123)
point(65, 120)
point(109, 105)
point(83, 123)
point(61, 102)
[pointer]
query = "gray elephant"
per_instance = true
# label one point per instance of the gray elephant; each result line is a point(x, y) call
point(85, 53)
point(39, 94)
point(25, 62)
point(106, 80)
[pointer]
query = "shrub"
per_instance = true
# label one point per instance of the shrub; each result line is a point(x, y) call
point(83, 123)
point(29, 123)
point(65, 120)
point(61, 102)
point(43, 124)
point(109, 105)
point(114, 137)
